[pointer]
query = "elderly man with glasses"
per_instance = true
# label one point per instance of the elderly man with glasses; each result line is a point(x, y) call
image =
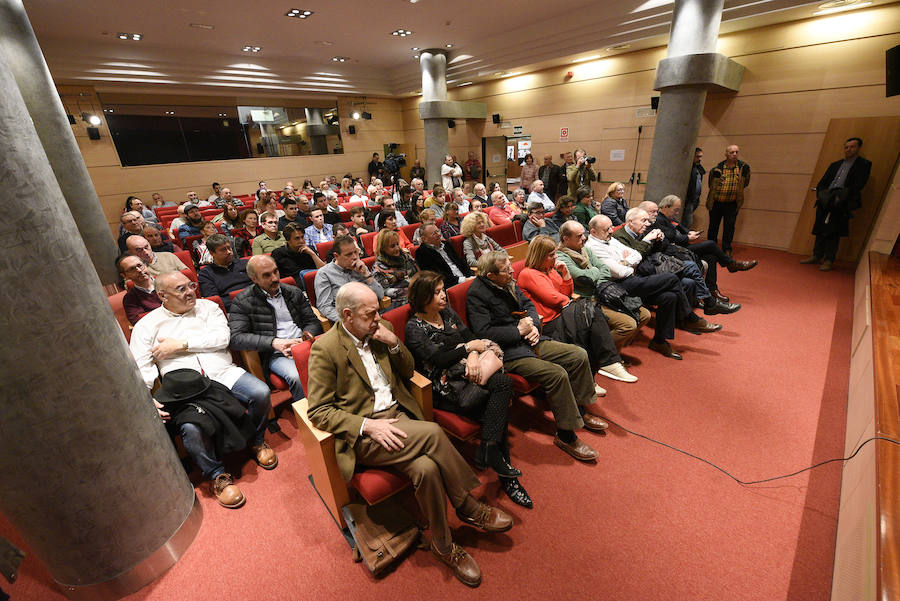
point(538, 224)
point(191, 333)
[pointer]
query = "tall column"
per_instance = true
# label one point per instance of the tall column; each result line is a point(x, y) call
point(434, 89)
point(318, 144)
point(89, 478)
point(690, 68)
point(24, 57)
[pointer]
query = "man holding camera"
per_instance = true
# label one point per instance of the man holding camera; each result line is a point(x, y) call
point(581, 173)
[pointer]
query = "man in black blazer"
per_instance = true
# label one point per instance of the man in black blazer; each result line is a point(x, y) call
point(549, 174)
point(837, 196)
point(438, 256)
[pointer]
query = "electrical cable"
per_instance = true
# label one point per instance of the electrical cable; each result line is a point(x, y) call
point(750, 482)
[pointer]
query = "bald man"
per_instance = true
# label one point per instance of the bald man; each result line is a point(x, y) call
point(727, 181)
point(132, 225)
point(270, 317)
point(358, 374)
point(157, 263)
point(188, 333)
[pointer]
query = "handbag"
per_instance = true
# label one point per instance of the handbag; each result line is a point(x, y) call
point(664, 263)
point(490, 364)
point(382, 532)
point(613, 295)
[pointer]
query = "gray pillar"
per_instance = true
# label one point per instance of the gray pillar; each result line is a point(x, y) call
point(437, 134)
point(24, 57)
point(318, 144)
point(690, 68)
point(90, 478)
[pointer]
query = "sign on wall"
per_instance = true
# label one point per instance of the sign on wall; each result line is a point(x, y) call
point(563, 134)
point(617, 155)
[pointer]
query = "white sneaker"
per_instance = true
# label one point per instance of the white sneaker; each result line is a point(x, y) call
point(616, 371)
point(599, 390)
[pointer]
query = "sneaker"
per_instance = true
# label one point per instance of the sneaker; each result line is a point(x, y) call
point(599, 390)
point(226, 492)
point(616, 371)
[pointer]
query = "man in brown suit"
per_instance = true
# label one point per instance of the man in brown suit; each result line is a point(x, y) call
point(357, 390)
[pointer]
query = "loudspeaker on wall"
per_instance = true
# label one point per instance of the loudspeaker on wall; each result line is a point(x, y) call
point(495, 117)
point(352, 129)
point(654, 102)
point(93, 133)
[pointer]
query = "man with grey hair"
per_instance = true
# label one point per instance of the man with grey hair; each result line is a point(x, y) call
point(538, 224)
point(498, 310)
point(538, 195)
point(271, 317)
point(358, 375)
point(132, 225)
point(347, 267)
point(188, 333)
point(157, 262)
point(227, 197)
point(502, 210)
point(480, 193)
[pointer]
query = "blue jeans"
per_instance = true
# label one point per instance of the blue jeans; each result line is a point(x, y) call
point(286, 369)
point(201, 451)
point(693, 274)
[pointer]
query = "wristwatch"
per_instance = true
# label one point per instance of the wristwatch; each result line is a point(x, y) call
point(185, 345)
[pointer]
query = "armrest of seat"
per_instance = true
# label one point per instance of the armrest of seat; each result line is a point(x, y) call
point(322, 459)
point(252, 363)
point(575, 296)
point(420, 386)
point(384, 303)
point(326, 323)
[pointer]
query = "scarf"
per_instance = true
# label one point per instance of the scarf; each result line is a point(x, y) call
point(580, 258)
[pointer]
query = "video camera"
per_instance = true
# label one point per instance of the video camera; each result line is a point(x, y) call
point(394, 161)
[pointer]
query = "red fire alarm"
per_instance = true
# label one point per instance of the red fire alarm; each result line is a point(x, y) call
point(570, 75)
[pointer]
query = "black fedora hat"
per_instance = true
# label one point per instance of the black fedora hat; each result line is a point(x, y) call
point(182, 385)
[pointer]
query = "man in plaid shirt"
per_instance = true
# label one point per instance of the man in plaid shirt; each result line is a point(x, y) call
point(319, 231)
point(727, 181)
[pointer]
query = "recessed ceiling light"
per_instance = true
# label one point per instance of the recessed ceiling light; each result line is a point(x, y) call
point(223, 114)
point(324, 43)
point(354, 115)
point(340, 59)
point(587, 58)
point(135, 37)
point(401, 32)
point(202, 26)
point(253, 49)
point(448, 45)
point(108, 111)
point(94, 120)
point(465, 83)
point(513, 74)
point(298, 13)
point(170, 112)
point(415, 48)
point(416, 57)
point(838, 6)
point(619, 47)
point(413, 1)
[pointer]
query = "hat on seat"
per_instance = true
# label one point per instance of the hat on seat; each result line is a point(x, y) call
point(182, 385)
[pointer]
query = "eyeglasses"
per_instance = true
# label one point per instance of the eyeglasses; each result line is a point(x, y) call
point(183, 289)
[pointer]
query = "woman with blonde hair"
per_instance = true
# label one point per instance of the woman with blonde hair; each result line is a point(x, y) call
point(477, 242)
point(614, 205)
point(393, 268)
point(549, 285)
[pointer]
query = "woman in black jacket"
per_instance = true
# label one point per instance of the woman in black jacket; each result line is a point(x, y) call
point(447, 352)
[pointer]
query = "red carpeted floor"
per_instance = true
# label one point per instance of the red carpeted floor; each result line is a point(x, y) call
point(764, 396)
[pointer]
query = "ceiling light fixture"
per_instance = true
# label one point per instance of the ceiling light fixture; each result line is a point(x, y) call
point(94, 120)
point(354, 115)
point(465, 83)
point(448, 45)
point(619, 47)
point(170, 112)
point(416, 57)
point(839, 6)
point(298, 13)
point(253, 49)
point(134, 37)
point(340, 59)
point(223, 114)
point(401, 32)
point(415, 48)
point(202, 26)
point(513, 74)
point(587, 58)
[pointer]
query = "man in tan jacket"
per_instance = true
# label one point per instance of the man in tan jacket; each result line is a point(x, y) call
point(357, 390)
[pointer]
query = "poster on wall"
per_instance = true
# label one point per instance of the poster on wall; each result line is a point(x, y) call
point(617, 154)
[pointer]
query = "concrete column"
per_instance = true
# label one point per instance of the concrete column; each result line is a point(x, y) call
point(434, 89)
point(683, 77)
point(318, 143)
point(89, 477)
point(24, 57)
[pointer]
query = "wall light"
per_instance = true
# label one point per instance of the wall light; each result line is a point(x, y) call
point(354, 115)
point(839, 6)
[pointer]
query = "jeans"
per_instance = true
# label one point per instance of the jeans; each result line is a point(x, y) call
point(200, 449)
point(254, 394)
point(286, 369)
point(692, 273)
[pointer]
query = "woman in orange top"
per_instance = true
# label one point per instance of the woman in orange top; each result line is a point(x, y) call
point(548, 283)
point(388, 221)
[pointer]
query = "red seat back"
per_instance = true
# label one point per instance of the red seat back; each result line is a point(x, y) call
point(115, 303)
point(518, 224)
point(309, 282)
point(300, 353)
point(518, 266)
point(457, 243)
point(368, 241)
point(456, 296)
point(504, 235)
point(185, 257)
point(322, 248)
point(398, 318)
point(410, 230)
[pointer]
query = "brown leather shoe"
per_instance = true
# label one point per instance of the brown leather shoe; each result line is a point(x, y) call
point(487, 518)
point(701, 326)
point(462, 564)
point(265, 456)
point(826, 265)
point(578, 449)
point(742, 265)
point(594, 423)
point(810, 260)
point(664, 349)
point(721, 297)
point(227, 493)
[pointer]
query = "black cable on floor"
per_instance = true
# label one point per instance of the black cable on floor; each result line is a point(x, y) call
point(738, 480)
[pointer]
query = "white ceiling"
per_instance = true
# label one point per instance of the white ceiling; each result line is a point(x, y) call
point(80, 40)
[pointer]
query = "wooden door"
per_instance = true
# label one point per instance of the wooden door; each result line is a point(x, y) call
point(493, 150)
point(881, 144)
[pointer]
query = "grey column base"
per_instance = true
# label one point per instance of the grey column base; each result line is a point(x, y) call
point(147, 570)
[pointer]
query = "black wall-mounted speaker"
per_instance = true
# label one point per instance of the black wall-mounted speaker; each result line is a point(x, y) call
point(495, 117)
point(93, 133)
point(451, 123)
point(892, 67)
point(654, 102)
point(352, 129)
point(71, 119)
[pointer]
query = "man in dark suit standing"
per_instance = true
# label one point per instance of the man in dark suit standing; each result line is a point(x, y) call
point(358, 373)
point(437, 255)
point(837, 196)
point(549, 174)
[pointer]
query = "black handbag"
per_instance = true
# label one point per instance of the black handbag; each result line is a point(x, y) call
point(613, 295)
point(664, 263)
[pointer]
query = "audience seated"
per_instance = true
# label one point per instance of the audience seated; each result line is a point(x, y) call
point(157, 262)
point(336, 213)
point(661, 289)
point(225, 274)
point(614, 205)
point(390, 206)
point(426, 217)
point(346, 267)
point(475, 206)
point(268, 204)
point(538, 195)
point(292, 215)
point(387, 220)
point(480, 194)
point(358, 225)
point(295, 258)
point(393, 268)
point(548, 283)
point(435, 254)
point(437, 201)
point(243, 236)
point(141, 297)
point(226, 197)
point(418, 205)
point(179, 219)
point(217, 193)
point(459, 198)
point(584, 208)
point(537, 224)
point(448, 354)
point(159, 201)
point(270, 317)
point(193, 221)
point(707, 250)
point(154, 237)
point(451, 225)
point(318, 231)
point(477, 242)
point(502, 211)
point(132, 225)
point(357, 376)
point(189, 336)
point(229, 218)
point(499, 311)
point(199, 246)
point(271, 238)
point(133, 203)
point(517, 202)
point(565, 209)
point(359, 195)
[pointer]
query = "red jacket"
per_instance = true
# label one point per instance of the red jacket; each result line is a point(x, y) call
point(549, 292)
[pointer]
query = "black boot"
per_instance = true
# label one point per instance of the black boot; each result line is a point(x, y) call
point(490, 455)
point(516, 492)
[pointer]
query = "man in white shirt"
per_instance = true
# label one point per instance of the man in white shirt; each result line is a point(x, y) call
point(537, 194)
point(191, 333)
point(451, 171)
point(359, 195)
